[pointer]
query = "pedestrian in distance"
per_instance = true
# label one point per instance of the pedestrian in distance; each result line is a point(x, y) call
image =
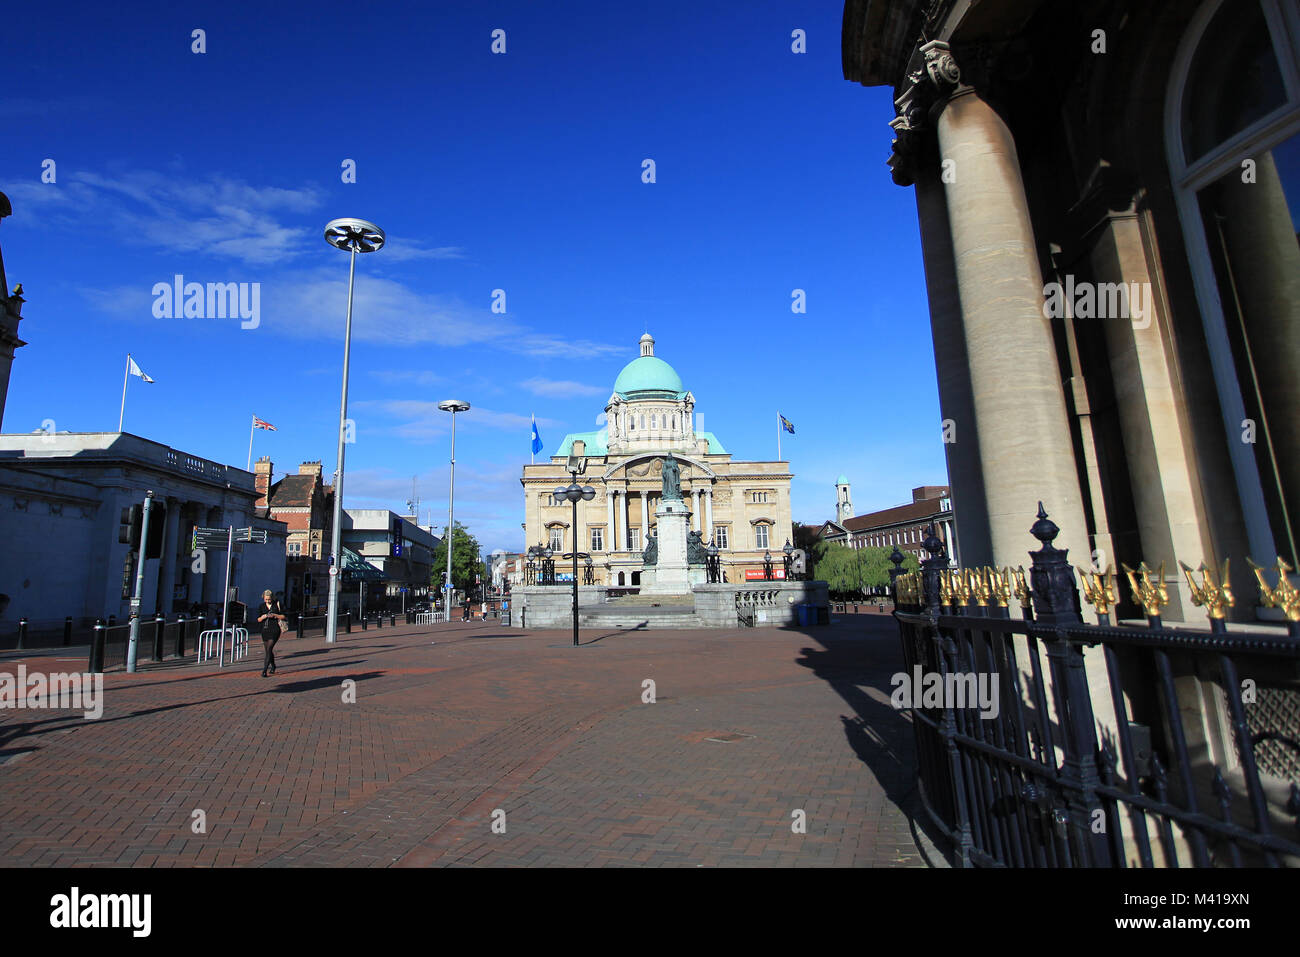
point(270, 613)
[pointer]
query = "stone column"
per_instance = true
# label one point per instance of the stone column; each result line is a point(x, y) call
point(611, 542)
point(708, 514)
point(695, 513)
point(645, 517)
point(167, 571)
point(1025, 447)
point(622, 545)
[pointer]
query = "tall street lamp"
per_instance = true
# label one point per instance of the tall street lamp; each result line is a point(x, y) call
point(453, 406)
point(575, 493)
point(356, 236)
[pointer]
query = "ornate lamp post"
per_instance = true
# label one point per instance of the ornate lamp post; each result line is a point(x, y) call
point(575, 493)
point(356, 236)
point(788, 549)
point(548, 566)
point(767, 565)
point(453, 406)
point(714, 565)
point(588, 573)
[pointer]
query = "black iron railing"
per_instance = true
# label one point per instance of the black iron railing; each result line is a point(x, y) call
point(1043, 741)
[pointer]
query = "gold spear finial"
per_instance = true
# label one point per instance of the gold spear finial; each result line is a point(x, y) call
point(1001, 585)
point(1213, 593)
point(961, 586)
point(1099, 588)
point(1284, 595)
point(1022, 586)
point(980, 586)
point(1151, 595)
point(945, 587)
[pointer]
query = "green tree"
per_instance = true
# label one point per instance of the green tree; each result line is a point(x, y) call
point(466, 563)
point(849, 572)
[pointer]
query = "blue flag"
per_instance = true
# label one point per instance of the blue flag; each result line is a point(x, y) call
point(537, 439)
point(786, 424)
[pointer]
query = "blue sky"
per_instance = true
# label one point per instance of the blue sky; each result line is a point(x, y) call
point(519, 172)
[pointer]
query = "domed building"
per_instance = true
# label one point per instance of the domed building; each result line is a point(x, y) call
point(741, 506)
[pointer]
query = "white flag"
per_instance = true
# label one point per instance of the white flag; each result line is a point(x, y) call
point(135, 369)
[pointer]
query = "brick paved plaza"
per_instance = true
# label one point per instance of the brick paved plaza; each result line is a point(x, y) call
point(455, 721)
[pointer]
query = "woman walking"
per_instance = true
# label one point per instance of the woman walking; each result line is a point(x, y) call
point(270, 613)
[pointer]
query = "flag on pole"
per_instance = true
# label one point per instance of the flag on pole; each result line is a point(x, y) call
point(537, 439)
point(134, 369)
point(260, 424)
point(785, 423)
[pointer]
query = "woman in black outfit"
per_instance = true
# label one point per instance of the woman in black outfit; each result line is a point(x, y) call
point(270, 613)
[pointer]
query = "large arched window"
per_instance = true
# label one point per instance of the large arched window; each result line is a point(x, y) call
point(1232, 137)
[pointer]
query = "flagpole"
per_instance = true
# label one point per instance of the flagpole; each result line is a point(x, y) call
point(778, 436)
point(126, 377)
point(251, 428)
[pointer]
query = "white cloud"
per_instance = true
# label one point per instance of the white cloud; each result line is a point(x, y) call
point(560, 388)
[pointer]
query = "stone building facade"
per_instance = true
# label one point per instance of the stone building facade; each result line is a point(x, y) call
point(902, 526)
point(62, 498)
point(1106, 196)
point(742, 506)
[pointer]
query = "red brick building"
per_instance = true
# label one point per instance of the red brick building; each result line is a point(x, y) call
point(902, 525)
point(305, 504)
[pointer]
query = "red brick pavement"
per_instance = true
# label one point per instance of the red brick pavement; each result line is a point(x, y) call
point(457, 721)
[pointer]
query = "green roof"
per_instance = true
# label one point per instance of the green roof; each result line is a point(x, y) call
point(842, 480)
point(597, 443)
point(649, 375)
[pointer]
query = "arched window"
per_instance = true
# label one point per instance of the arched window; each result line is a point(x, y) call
point(653, 423)
point(1232, 139)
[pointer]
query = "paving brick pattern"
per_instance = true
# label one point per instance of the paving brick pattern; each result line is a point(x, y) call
point(457, 727)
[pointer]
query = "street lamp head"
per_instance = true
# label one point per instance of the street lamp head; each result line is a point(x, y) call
point(767, 556)
point(454, 405)
point(354, 235)
point(713, 550)
point(788, 547)
point(547, 553)
point(588, 493)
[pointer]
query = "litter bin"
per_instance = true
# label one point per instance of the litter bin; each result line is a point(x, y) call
point(803, 614)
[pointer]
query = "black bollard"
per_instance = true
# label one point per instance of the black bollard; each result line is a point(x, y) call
point(379, 620)
point(347, 621)
point(96, 664)
point(181, 624)
point(159, 623)
point(22, 632)
point(300, 624)
point(363, 622)
point(67, 630)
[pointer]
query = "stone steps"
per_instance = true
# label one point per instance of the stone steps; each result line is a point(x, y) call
point(640, 601)
point(677, 618)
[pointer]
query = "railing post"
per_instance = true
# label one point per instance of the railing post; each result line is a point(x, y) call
point(67, 630)
point(897, 559)
point(1056, 605)
point(96, 663)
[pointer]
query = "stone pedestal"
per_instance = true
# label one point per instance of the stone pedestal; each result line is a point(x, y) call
point(671, 573)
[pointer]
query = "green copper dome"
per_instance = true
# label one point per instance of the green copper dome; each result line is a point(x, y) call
point(842, 480)
point(648, 374)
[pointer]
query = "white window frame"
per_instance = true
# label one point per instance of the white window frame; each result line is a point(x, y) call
point(721, 537)
point(1283, 21)
point(598, 539)
point(556, 534)
point(634, 540)
point(762, 538)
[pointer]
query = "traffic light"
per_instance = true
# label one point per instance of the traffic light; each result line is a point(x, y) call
point(133, 522)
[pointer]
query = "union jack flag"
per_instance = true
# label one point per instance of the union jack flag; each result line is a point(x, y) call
point(259, 424)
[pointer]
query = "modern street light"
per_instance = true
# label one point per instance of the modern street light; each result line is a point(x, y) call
point(575, 493)
point(356, 236)
point(453, 406)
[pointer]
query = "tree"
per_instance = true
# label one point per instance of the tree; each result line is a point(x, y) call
point(849, 572)
point(466, 563)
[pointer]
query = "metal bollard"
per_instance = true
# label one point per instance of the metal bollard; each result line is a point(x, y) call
point(181, 624)
point(347, 621)
point(67, 630)
point(379, 620)
point(300, 624)
point(22, 632)
point(96, 664)
point(159, 623)
point(392, 620)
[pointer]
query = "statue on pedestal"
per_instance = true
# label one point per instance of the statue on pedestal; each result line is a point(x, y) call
point(672, 488)
point(696, 552)
point(650, 556)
